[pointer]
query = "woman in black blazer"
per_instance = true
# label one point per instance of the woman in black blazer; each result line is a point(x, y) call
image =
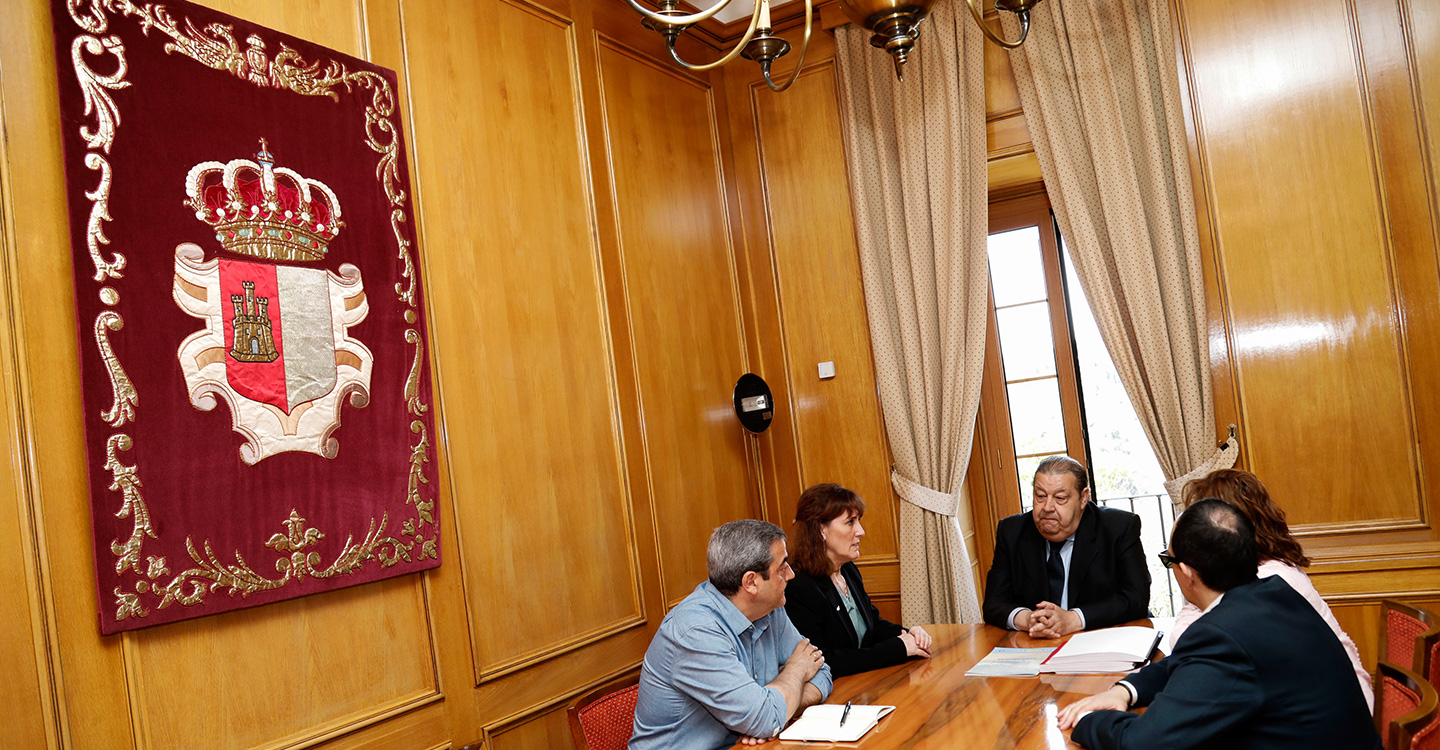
point(826, 601)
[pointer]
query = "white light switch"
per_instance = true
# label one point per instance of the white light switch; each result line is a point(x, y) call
point(827, 370)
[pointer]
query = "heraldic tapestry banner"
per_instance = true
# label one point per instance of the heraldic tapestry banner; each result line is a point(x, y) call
point(252, 333)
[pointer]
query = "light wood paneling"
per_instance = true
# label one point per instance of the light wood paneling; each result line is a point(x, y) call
point(1001, 95)
point(1424, 23)
point(547, 730)
point(22, 656)
point(1288, 140)
point(1014, 175)
point(838, 429)
point(681, 297)
point(82, 670)
point(27, 691)
point(372, 643)
point(518, 319)
point(338, 24)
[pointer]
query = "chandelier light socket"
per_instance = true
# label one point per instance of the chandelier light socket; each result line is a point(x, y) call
point(765, 48)
point(669, 30)
point(894, 23)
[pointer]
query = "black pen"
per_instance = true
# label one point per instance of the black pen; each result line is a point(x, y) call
point(845, 714)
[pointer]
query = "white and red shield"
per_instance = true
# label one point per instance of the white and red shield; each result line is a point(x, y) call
point(275, 347)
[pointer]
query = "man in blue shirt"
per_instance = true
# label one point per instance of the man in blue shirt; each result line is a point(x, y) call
point(726, 664)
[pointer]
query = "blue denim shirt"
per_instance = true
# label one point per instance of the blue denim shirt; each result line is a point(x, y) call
point(703, 681)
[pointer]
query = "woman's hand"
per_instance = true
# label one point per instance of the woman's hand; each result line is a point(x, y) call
point(922, 638)
point(912, 648)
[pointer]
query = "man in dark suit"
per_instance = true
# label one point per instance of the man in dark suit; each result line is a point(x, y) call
point(1260, 670)
point(1065, 566)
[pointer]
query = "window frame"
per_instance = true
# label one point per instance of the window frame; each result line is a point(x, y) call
point(1002, 480)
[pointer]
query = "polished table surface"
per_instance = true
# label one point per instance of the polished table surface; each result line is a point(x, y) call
point(937, 706)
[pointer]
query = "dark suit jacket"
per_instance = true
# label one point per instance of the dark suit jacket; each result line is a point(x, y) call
point(815, 607)
point(1260, 671)
point(1108, 577)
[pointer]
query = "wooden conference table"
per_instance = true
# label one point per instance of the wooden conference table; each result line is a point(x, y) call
point(937, 706)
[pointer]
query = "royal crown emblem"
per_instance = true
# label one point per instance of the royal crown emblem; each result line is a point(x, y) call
point(262, 210)
point(276, 345)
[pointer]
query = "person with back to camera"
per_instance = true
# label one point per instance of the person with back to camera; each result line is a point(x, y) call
point(827, 601)
point(1068, 565)
point(1260, 671)
point(1279, 552)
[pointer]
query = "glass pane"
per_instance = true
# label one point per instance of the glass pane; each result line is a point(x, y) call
point(1036, 418)
point(1026, 345)
point(1015, 269)
point(1026, 467)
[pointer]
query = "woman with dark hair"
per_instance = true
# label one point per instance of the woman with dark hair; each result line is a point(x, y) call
point(826, 601)
point(1279, 552)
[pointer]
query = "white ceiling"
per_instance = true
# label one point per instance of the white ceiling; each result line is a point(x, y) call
point(738, 9)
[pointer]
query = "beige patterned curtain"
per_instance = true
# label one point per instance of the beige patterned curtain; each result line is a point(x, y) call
point(1101, 94)
point(916, 153)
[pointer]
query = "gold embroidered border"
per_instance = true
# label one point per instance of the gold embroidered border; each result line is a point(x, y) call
point(216, 47)
point(122, 409)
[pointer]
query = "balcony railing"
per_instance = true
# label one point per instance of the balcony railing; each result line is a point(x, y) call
point(1157, 515)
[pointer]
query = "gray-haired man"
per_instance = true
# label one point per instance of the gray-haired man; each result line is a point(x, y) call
point(726, 664)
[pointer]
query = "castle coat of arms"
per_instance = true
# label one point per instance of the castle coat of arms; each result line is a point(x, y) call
point(276, 345)
point(324, 377)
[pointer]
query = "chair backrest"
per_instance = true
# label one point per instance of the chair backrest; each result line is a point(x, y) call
point(1427, 651)
point(603, 718)
point(1406, 707)
point(1411, 637)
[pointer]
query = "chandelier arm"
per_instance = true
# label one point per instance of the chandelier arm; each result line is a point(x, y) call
point(980, 19)
point(682, 20)
point(799, 63)
point(731, 55)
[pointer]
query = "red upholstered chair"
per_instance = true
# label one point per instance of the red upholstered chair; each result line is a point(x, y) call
point(1427, 658)
point(1406, 708)
point(603, 718)
point(1411, 636)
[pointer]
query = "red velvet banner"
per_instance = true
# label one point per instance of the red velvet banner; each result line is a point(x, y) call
point(252, 332)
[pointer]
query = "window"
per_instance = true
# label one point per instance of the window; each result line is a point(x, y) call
point(1051, 387)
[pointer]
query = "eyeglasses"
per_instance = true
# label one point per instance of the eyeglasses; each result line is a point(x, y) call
point(1169, 561)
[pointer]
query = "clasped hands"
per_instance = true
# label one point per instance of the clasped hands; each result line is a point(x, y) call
point(802, 666)
point(1048, 620)
point(917, 642)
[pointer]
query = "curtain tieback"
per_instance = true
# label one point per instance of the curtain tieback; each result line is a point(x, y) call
point(924, 497)
point(1223, 458)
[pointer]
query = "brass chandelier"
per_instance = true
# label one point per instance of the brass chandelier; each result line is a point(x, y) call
point(895, 25)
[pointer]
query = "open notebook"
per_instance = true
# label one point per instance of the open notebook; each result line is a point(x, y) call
point(822, 723)
point(1107, 651)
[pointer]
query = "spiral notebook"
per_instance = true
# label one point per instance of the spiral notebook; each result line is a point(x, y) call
point(822, 723)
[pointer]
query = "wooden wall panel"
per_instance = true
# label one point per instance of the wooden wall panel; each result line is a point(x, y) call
point(524, 361)
point(794, 194)
point(1424, 23)
point(1306, 255)
point(370, 643)
point(22, 625)
point(839, 433)
point(105, 695)
point(546, 730)
point(682, 301)
point(338, 24)
point(1315, 178)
